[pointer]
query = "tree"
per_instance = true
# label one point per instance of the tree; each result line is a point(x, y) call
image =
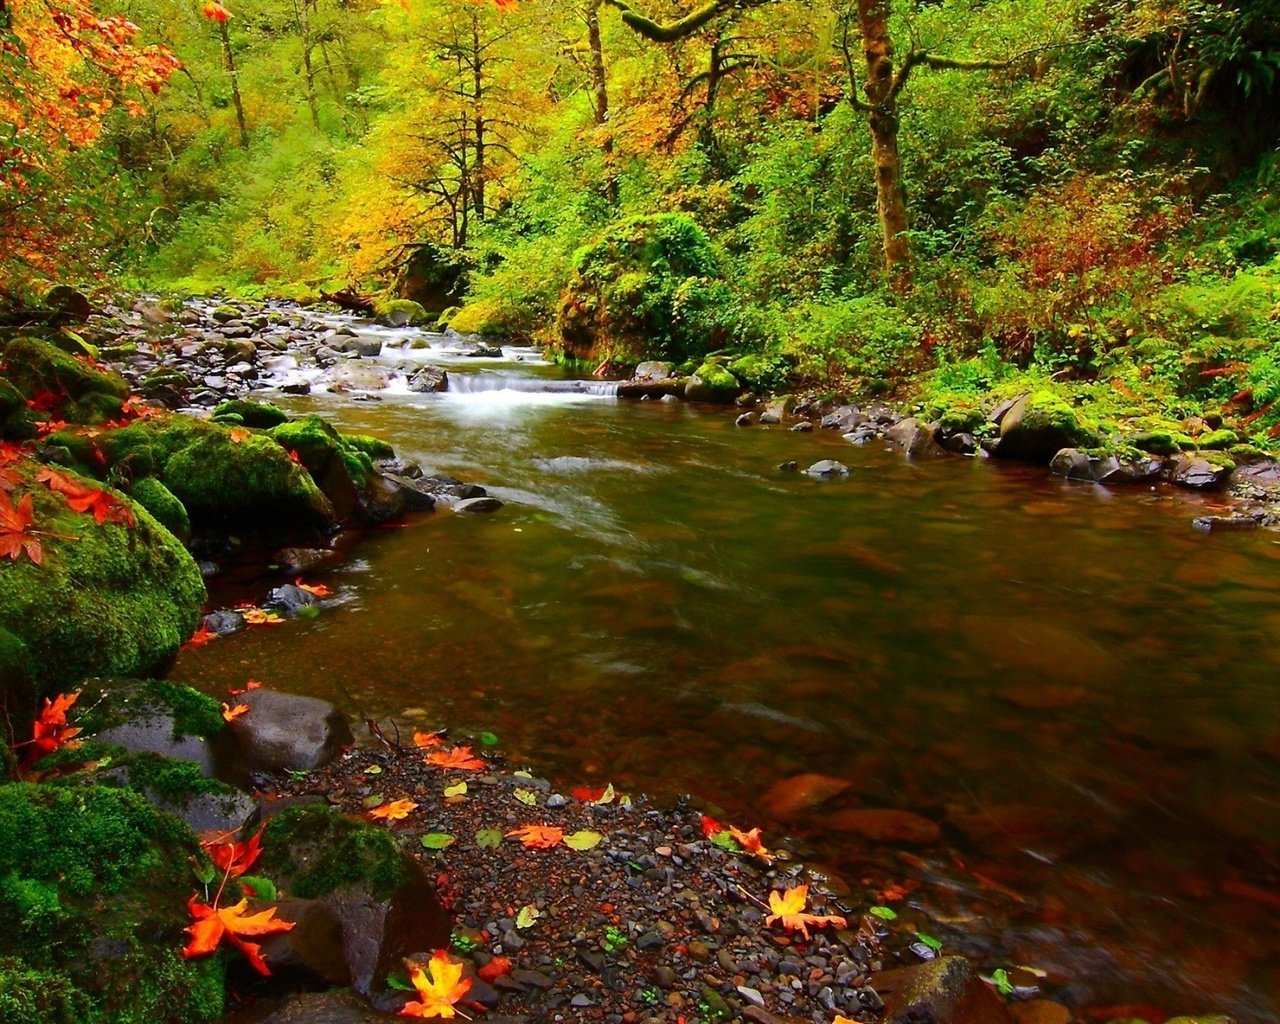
point(881, 86)
point(63, 69)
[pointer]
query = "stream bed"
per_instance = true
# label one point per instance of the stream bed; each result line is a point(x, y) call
point(1076, 690)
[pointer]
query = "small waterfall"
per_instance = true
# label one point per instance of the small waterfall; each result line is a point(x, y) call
point(475, 383)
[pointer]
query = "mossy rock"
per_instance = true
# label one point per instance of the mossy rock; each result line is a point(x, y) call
point(81, 393)
point(106, 598)
point(93, 889)
point(374, 447)
point(484, 317)
point(157, 499)
point(311, 851)
point(261, 415)
point(110, 702)
point(339, 467)
point(402, 311)
point(712, 383)
point(446, 317)
point(222, 480)
point(1039, 426)
point(649, 288)
point(1218, 440)
point(1156, 442)
point(759, 373)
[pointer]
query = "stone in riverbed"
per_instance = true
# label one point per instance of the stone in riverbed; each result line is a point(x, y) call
point(484, 504)
point(1038, 426)
point(913, 437)
point(747, 419)
point(429, 378)
point(943, 991)
point(712, 383)
point(283, 732)
point(828, 469)
point(1202, 473)
point(1225, 524)
point(652, 370)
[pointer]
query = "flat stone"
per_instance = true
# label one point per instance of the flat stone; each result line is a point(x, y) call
point(484, 504)
point(285, 732)
point(828, 468)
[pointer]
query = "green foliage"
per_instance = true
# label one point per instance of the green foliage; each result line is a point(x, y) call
point(313, 851)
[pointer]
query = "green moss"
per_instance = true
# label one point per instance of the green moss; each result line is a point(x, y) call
point(446, 318)
point(374, 447)
point(712, 383)
point(94, 881)
point(193, 713)
point(1157, 442)
point(171, 780)
point(84, 393)
point(1217, 440)
point(106, 599)
point(761, 373)
point(1040, 425)
point(157, 499)
point(314, 850)
point(262, 415)
point(1215, 458)
point(413, 310)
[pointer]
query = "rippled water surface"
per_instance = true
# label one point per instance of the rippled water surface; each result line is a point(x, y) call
point(1083, 692)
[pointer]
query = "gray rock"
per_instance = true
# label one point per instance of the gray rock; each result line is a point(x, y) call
point(483, 504)
point(224, 622)
point(284, 732)
point(1199, 474)
point(1225, 524)
point(803, 427)
point(429, 378)
point(913, 437)
point(652, 370)
point(290, 599)
point(828, 468)
point(747, 419)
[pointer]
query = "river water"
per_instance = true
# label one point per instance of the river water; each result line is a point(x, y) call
point(1078, 688)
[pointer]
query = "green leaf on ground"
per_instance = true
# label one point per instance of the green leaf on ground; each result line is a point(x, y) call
point(456, 790)
point(259, 888)
point(526, 796)
point(528, 914)
point(372, 801)
point(437, 840)
point(884, 913)
point(489, 739)
point(489, 838)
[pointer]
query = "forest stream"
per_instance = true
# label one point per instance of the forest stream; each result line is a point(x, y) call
point(1059, 699)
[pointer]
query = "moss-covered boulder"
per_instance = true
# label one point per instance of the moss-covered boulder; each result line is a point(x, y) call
point(93, 890)
point(154, 716)
point(341, 464)
point(399, 312)
point(224, 476)
point(157, 499)
point(62, 386)
point(1040, 425)
point(105, 598)
point(712, 383)
point(651, 287)
point(760, 372)
point(262, 415)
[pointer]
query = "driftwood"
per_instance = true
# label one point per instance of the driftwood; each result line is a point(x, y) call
point(349, 298)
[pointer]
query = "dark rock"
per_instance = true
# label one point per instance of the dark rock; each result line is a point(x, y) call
point(1038, 426)
point(943, 991)
point(296, 387)
point(293, 561)
point(913, 437)
point(844, 418)
point(803, 427)
point(484, 504)
point(788, 467)
point(73, 305)
point(289, 599)
point(1225, 524)
point(1201, 474)
point(285, 732)
point(659, 387)
point(747, 419)
point(429, 378)
point(338, 1006)
point(416, 495)
point(382, 500)
point(224, 622)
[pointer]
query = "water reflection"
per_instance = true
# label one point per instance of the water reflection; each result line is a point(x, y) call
point(1074, 685)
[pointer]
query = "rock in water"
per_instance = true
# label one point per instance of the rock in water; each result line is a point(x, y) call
point(943, 991)
point(829, 469)
point(282, 732)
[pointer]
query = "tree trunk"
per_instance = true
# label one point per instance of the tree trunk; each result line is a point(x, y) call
point(600, 98)
point(477, 71)
point(235, 83)
point(891, 203)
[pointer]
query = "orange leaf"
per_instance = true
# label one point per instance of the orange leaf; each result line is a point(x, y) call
point(238, 434)
point(788, 908)
point(750, 841)
point(459, 757)
point(314, 589)
point(15, 530)
point(393, 811)
point(439, 987)
point(83, 498)
point(261, 617)
point(252, 684)
point(214, 11)
point(494, 969)
point(232, 858)
point(201, 637)
point(428, 739)
point(51, 731)
point(538, 837)
point(212, 924)
point(710, 826)
point(231, 714)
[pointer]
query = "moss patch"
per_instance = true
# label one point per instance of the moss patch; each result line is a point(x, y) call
point(313, 850)
point(157, 499)
point(263, 415)
point(93, 883)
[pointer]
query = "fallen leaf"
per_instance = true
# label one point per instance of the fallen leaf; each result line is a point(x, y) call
point(428, 739)
point(15, 530)
point(528, 797)
point(439, 986)
point(527, 916)
point(750, 841)
point(51, 730)
point(201, 637)
point(239, 434)
point(261, 617)
point(394, 811)
point(711, 827)
point(788, 908)
point(102, 506)
point(598, 795)
point(233, 859)
point(459, 757)
point(232, 713)
point(488, 739)
point(455, 791)
point(538, 837)
point(314, 589)
point(583, 840)
point(489, 838)
point(494, 969)
point(438, 841)
point(213, 924)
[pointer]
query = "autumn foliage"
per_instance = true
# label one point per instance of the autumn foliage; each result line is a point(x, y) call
point(439, 985)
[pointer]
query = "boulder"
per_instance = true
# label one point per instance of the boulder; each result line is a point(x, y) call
point(485, 503)
point(943, 991)
point(1038, 426)
point(1202, 473)
point(1104, 468)
point(828, 469)
point(652, 370)
point(914, 437)
point(712, 383)
point(283, 732)
point(382, 900)
point(260, 415)
point(358, 377)
point(71, 304)
point(654, 387)
point(429, 378)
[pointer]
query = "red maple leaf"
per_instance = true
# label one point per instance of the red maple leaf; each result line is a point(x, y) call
point(82, 498)
point(16, 535)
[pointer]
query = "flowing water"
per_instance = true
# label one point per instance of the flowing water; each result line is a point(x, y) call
point(1082, 691)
